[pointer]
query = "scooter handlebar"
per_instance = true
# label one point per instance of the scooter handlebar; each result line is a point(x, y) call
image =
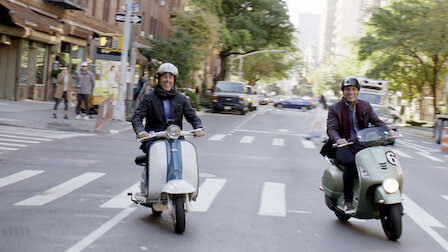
point(335, 145)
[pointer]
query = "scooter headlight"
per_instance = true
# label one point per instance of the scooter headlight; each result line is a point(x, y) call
point(173, 132)
point(391, 185)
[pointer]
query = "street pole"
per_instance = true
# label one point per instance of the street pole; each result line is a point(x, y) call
point(119, 112)
point(240, 69)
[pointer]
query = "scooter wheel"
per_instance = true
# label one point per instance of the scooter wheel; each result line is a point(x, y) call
point(342, 216)
point(391, 221)
point(179, 214)
point(155, 212)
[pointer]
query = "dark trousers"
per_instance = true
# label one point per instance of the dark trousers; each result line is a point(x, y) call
point(144, 178)
point(64, 96)
point(85, 98)
point(346, 157)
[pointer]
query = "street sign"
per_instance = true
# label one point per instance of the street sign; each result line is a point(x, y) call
point(135, 19)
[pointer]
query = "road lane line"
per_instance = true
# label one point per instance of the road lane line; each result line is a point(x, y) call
point(7, 148)
point(122, 200)
point(207, 194)
point(278, 142)
point(26, 137)
point(247, 139)
point(17, 140)
point(401, 154)
point(217, 137)
point(60, 190)
point(92, 237)
point(444, 196)
point(13, 145)
point(430, 157)
point(308, 144)
point(273, 202)
point(424, 220)
point(19, 176)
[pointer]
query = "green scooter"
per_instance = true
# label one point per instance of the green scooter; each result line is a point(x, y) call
point(378, 187)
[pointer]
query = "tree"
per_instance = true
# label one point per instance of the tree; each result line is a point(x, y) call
point(251, 25)
point(409, 34)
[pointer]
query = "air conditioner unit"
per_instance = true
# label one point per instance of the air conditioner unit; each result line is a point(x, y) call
point(5, 40)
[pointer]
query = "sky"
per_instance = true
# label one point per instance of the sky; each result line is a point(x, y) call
point(295, 7)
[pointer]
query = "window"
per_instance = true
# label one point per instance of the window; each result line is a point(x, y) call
point(24, 62)
point(40, 63)
point(106, 7)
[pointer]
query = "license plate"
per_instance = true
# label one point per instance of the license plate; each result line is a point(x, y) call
point(227, 107)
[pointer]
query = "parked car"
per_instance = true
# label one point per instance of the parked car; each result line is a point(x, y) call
point(230, 96)
point(294, 102)
point(264, 99)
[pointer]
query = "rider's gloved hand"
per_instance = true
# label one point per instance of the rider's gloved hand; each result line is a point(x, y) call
point(199, 133)
point(341, 141)
point(143, 134)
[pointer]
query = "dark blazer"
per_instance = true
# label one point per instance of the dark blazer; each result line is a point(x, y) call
point(337, 129)
point(151, 107)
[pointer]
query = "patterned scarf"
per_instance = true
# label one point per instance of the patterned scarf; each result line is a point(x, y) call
point(164, 95)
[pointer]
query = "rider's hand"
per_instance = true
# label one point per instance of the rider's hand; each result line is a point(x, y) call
point(341, 141)
point(198, 133)
point(394, 133)
point(143, 134)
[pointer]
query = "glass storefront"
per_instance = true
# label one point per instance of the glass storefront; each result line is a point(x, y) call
point(40, 63)
point(24, 62)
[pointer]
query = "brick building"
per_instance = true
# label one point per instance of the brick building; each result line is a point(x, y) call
point(39, 36)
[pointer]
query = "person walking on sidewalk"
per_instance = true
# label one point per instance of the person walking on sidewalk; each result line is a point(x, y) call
point(86, 84)
point(63, 90)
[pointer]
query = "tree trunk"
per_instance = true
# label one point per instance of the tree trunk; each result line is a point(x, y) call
point(224, 65)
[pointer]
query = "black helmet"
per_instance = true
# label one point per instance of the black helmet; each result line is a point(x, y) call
point(350, 81)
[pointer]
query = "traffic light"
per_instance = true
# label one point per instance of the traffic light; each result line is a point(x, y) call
point(106, 42)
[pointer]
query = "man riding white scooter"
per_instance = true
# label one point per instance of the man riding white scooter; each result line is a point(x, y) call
point(345, 119)
point(161, 107)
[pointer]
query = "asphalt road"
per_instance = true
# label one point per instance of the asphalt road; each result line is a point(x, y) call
point(65, 191)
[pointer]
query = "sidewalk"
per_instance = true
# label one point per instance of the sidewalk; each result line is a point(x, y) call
point(39, 115)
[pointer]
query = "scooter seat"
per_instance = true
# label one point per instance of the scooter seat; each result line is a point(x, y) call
point(338, 165)
point(140, 160)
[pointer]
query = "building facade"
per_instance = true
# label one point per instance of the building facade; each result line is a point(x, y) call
point(37, 37)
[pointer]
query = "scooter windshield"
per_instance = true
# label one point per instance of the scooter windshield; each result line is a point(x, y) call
point(373, 136)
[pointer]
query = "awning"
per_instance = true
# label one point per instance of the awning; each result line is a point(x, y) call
point(77, 31)
point(67, 4)
point(25, 17)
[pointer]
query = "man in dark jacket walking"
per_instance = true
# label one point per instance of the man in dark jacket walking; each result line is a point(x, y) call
point(158, 107)
point(345, 119)
point(86, 84)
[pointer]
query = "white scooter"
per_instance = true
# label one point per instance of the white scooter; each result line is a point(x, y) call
point(172, 175)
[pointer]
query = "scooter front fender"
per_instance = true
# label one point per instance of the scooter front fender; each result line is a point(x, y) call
point(382, 197)
point(178, 186)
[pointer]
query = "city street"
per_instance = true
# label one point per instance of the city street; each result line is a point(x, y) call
point(66, 191)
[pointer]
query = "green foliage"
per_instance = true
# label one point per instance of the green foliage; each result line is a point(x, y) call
point(193, 100)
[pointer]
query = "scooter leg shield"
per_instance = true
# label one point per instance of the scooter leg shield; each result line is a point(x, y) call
point(178, 186)
point(383, 197)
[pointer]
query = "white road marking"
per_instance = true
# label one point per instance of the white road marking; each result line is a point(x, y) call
point(430, 157)
point(17, 140)
point(207, 193)
point(401, 154)
point(217, 137)
point(60, 190)
point(26, 137)
point(283, 130)
point(444, 196)
point(14, 145)
point(278, 142)
point(247, 139)
point(424, 220)
point(273, 202)
point(122, 200)
point(289, 133)
point(298, 211)
point(41, 132)
point(7, 148)
point(19, 176)
point(308, 144)
point(206, 175)
point(92, 237)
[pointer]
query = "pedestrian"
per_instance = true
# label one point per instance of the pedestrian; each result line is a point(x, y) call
point(63, 90)
point(345, 119)
point(140, 84)
point(86, 84)
point(143, 89)
point(161, 107)
point(319, 125)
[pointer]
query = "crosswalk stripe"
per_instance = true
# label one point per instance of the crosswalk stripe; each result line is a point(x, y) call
point(444, 196)
point(278, 142)
point(273, 202)
point(122, 200)
point(14, 145)
point(208, 191)
point(308, 144)
point(247, 139)
point(26, 137)
point(217, 137)
point(7, 148)
point(430, 157)
point(17, 140)
point(45, 133)
point(401, 154)
point(19, 176)
point(60, 190)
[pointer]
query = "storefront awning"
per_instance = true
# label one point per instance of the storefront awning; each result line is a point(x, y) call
point(77, 31)
point(25, 17)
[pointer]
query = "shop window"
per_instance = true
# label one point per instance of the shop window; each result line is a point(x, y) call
point(24, 62)
point(40, 63)
point(78, 53)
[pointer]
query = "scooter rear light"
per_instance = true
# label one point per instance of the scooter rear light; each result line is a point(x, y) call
point(321, 188)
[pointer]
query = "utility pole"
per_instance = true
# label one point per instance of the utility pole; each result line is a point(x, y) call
point(119, 112)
